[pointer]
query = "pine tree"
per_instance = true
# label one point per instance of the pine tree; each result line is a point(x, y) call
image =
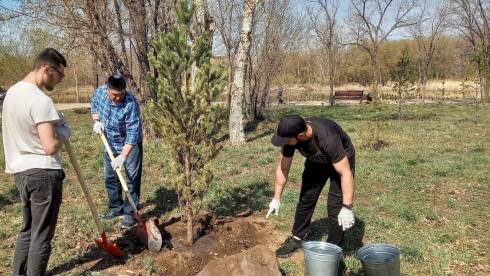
point(403, 75)
point(183, 114)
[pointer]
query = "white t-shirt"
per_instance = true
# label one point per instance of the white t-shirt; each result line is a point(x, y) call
point(26, 105)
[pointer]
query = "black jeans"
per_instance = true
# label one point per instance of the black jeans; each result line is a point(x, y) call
point(315, 177)
point(40, 191)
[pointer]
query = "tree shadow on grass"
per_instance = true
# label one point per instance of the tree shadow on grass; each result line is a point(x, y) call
point(260, 135)
point(406, 116)
point(96, 259)
point(251, 128)
point(253, 196)
point(165, 200)
point(352, 237)
point(11, 197)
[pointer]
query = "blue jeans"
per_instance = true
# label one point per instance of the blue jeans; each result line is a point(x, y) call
point(133, 167)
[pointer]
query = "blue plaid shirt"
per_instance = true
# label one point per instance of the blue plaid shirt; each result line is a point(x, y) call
point(122, 121)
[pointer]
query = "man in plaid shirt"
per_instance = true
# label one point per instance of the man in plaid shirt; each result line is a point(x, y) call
point(116, 112)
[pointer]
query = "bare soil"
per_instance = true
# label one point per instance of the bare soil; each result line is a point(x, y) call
point(219, 237)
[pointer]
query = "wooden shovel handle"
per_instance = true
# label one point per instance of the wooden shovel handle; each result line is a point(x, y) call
point(121, 177)
point(81, 179)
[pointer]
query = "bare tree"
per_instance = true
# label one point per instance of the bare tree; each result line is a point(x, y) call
point(373, 21)
point(7, 14)
point(327, 33)
point(112, 30)
point(473, 23)
point(277, 31)
point(427, 34)
point(237, 134)
point(227, 15)
point(202, 21)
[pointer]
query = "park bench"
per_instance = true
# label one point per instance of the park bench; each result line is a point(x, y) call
point(349, 95)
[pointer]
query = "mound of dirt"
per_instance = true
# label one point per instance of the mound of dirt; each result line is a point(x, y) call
point(260, 260)
point(219, 238)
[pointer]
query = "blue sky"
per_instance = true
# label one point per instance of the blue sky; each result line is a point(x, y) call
point(11, 4)
point(6, 28)
point(300, 6)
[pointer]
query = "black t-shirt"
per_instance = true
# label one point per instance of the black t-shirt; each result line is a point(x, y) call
point(329, 143)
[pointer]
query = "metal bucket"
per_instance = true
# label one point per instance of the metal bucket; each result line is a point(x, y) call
point(380, 259)
point(321, 258)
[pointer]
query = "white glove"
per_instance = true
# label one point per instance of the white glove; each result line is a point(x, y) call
point(98, 128)
point(118, 162)
point(62, 128)
point(346, 218)
point(273, 206)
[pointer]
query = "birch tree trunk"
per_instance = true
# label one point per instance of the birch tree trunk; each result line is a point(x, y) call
point(237, 134)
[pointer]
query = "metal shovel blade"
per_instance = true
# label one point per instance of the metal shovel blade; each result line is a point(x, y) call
point(148, 233)
point(109, 247)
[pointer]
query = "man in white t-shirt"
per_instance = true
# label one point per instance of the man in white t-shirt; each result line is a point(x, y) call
point(33, 133)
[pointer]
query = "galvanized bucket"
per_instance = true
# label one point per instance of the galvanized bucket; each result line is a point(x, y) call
point(380, 259)
point(321, 258)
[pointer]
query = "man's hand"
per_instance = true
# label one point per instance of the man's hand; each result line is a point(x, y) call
point(346, 218)
point(98, 128)
point(274, 207)
point(118, 162)
point(62, 128)
point(63, 132)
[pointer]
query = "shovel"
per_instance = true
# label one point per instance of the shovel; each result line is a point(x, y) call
point(103, 243)
point(146, 230)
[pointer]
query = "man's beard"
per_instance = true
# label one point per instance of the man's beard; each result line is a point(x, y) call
point(49, 85)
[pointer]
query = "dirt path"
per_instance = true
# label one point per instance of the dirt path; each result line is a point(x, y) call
point(66, 106)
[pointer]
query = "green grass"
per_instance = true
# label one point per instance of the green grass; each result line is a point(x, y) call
point(427, 191)
point(290, 268)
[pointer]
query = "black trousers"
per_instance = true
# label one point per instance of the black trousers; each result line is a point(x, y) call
point(315, 177)
point(40, 191)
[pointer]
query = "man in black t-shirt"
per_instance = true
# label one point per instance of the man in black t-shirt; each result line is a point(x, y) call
point(329, 155)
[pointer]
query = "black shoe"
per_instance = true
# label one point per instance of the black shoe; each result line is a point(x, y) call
point(112, 213)
point(128, 222)
point(288, 247)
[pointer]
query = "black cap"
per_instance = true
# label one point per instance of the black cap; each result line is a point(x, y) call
point(288, 127)
point(116, 82)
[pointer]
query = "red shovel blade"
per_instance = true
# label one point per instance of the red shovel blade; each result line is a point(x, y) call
point(109, 247)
